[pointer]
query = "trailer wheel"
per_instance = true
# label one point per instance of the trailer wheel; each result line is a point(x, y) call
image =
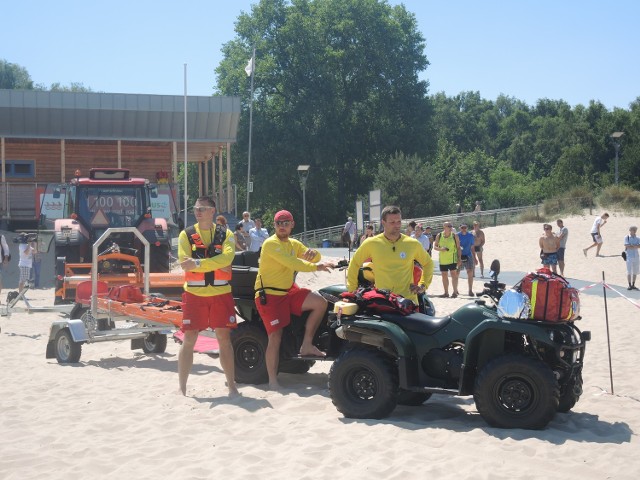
point(67, 350)
point(154, 343)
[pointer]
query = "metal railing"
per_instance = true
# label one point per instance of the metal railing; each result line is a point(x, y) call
point(332, 236)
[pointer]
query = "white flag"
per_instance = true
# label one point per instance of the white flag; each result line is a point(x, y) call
point(249, 67)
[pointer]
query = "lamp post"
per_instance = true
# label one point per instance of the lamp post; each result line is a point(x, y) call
point(303, 174)
point(616, 143)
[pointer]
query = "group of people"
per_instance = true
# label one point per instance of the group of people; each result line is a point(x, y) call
point(208, 300)
point(553, 245)
point(249, 234)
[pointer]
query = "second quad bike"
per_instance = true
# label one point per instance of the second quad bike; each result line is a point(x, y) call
point(519, 371)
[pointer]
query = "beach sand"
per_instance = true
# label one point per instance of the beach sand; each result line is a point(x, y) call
point(118, 414)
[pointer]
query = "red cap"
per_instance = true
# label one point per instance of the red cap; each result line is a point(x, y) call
point(282, 215)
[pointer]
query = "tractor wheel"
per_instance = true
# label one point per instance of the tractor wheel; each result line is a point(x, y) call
point(249, 342)
point(514, 391)
point(154, 343)
point(67, 350)
point(363, 383)
point(159, 258)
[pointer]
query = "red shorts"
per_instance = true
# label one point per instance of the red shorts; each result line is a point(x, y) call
point(217, 311)
point(276, 314)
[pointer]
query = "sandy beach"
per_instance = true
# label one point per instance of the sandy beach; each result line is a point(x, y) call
point(118, 413)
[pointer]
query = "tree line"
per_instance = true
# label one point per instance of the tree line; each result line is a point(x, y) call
point(337, 87)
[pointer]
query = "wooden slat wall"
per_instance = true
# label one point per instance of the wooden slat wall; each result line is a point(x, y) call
point(144, 159)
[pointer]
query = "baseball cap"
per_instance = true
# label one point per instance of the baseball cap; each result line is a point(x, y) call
point(282, 215)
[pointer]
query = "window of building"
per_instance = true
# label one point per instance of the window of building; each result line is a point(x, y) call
point(20, 168)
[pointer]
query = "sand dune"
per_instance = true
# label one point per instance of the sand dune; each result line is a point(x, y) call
point(117, 413)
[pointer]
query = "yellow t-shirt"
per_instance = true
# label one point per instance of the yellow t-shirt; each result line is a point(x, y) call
point(208, 264)
point(279, 262)
point(393, 264)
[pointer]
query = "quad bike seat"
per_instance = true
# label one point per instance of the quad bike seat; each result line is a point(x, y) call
point(417, 322)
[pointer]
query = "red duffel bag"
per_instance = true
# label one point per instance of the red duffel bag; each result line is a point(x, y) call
point(552, 298)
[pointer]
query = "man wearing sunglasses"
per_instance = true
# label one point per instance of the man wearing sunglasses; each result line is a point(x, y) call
point(206, 251)
point(278, 296)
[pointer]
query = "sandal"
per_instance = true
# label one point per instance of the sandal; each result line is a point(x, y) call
point(444, 295)
point(454, 295)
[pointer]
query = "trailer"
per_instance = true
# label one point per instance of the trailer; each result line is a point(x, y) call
point(104, 312)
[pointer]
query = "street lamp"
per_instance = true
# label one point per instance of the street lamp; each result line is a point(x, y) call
point(616, 143)
point(303, 173)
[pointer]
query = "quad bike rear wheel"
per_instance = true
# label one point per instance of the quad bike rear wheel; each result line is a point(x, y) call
point(514, 391)
point(363, 383)
point(412, 399)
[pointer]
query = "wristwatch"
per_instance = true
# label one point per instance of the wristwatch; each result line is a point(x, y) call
point(197, 261)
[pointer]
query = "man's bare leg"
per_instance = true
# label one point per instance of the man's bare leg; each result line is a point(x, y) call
point(470, 281)
point(454, 281)
point(317, 306)
point(272, 358)
point(185, 358)
point(226, 359)
point(445, 282)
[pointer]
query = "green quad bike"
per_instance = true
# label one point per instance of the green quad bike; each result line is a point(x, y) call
point(250, 338)
point(520, 372)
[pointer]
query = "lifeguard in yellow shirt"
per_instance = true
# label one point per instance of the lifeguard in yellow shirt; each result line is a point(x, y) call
point(393, 254)
point(277, 295)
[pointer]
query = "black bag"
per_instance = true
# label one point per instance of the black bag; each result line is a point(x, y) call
point(624, 255)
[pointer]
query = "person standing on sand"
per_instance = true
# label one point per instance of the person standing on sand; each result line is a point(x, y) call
point(631, 245)
point(549, 245)
point(478, 246)
point(206, 251)
point(596, 234)
point(278, 296)
point(563, 235)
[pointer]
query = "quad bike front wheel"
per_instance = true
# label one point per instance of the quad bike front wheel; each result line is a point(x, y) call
point(571, 394)
point(363, 383)
point(514, 391)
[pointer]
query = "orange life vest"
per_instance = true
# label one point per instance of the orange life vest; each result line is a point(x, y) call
point(199, 250)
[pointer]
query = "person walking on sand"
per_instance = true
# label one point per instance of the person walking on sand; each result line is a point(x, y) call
point(206, 251)
point(563, 235)
point(631, 246)
point(549, 245)
point(278, 296)
point(467, 255)
point(349, 233)
point(596, 234)
point(449, 247)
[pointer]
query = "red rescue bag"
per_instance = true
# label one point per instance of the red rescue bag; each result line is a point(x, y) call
point(552, 298)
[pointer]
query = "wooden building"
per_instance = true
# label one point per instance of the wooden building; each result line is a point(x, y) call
point(46, 136)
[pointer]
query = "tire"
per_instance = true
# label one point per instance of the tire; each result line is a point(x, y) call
point(412, 399)
point(71, 254)
point(295, 366)
point(572, 393)
point(159, 258)
point(67, 350)
point(514, 391)
point(363, 383)
point(249, 342)
point(154, 343)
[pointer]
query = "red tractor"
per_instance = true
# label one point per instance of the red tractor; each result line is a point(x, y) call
point(81, 211)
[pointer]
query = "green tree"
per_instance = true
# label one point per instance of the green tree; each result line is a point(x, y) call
point(13, 76)
point(336, 87)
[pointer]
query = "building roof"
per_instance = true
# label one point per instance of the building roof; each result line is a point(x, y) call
point(117, 116)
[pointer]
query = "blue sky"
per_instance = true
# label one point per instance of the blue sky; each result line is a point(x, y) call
point(574, 50)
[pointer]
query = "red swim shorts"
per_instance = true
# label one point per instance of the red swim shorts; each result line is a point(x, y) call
point(217, 311)
point(276, 314)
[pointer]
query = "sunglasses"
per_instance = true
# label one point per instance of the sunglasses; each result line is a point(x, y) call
point(202, 209)
point(283, 223)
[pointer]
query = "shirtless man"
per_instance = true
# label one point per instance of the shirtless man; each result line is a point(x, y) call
point(549, 245)
point(478, 244)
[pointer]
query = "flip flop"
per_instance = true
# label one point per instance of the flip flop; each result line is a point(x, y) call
point(454, 295)
point(444, 295)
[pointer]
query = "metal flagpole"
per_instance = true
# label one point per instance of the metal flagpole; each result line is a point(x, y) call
point(252, 66)
point(185, 145)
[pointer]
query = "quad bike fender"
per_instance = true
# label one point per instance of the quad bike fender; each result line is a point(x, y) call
point(387, 337)
point(487, 340)
point(76, 328)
